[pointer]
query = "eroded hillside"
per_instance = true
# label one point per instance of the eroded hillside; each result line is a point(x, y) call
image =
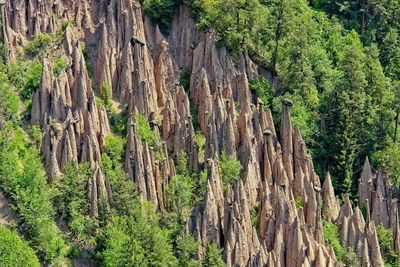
point(109, 74)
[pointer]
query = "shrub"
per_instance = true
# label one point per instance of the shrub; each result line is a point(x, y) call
point(9, 102)
point(331, 235)
point(85, 53)
point(145, 132)
point(299, 201)
point(26, 77)
point(344, 254)
point(187, 248)
point(118, 122)
point(160, 12)
point(137, 240)
point(106, 95)
point(59, 66)
point(201, 142)
point(263, 90)
point(22, 177)
point(36, 135)
point(180, 189)
point(213, 257)
point(37, 43)
point(253, 215)
point(385, 238)
point(14, 251)
point(389, 160)
point(115, 148)
point(230, 169)
point(72, 203)
point(3, 53)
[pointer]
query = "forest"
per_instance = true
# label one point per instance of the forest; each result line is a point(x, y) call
point(337, 61)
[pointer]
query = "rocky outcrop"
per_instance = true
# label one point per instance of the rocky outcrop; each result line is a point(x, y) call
point(65, 107)
point(272, 215)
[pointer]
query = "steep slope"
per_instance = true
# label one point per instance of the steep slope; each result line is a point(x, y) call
point(143, 67)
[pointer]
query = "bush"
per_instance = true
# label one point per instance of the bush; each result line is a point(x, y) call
point(85, 53)
point(59, 66)
point(106, 95)
point(385, 238)
point(180, 189)
point(9, 102)
point(263, 90)
point(137, 240)
point(187, 248)
point(118, 122)
point(145, 132)
point(23, 178)
point(26, 77)
point(115, 148)
point(3, 53)
point(254, 218)
point(331, 235)
point(72, 202)
point(160, 12)
point(230, 169)
point(389, 160)
point(37, 43)
point(14, 251)
point(200, 140)
point(213, 257)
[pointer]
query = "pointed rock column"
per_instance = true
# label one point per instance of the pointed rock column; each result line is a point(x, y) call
point(286, 138)
point(331, 206)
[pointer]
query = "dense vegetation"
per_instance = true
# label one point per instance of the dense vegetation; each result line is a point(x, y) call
point(22, 176)
point(14, 251)
point(339, 61)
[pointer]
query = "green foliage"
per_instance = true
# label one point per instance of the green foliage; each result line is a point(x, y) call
point(85, 53)
point(299, 201)
point(37, 44)
point(343, 254)
point(26, 76)
point(331, 235)
point(389, 160)
point(195, 118)
point(118, 122)
point(58, 66)
point(187, 248)
point(137, 240)
point(184, 78)
point(180, 194)
point(180, 190)
point(230, 169)
point(22, 177)
point(9, 102)
point(106, 96)
point(235, 21)
point(254, 217)
point(263, 90)
point(3, 53)
point(213, 257)
point(36, 135)
point(385, 237)
point(115, 148)
point(14, 252)
point(145, 132)
point(343, 102)
point(200, 140)
point(160, 12)
point(72, 202)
